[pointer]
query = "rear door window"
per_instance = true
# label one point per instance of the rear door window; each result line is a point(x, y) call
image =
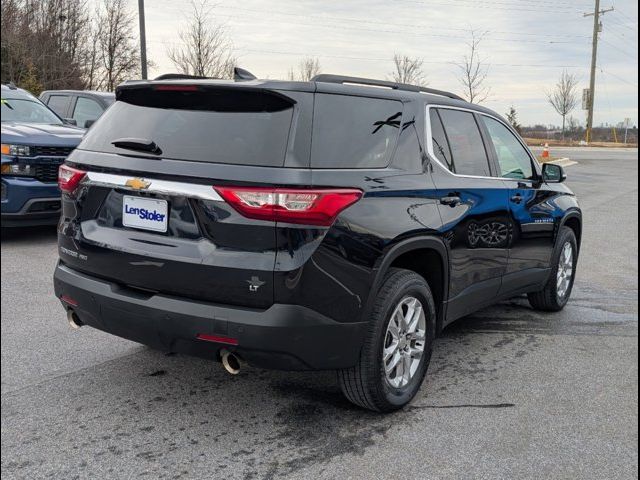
point(468, 154)
point(86, 109)
point(354, 132)
point(59, 104)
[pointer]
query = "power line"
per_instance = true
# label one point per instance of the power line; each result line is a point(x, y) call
point(373, 22)
point(619, 23)
point(484, 5)
point(377, 30)
point(619, 50)
point(378, 59)
point(419, 34)
point(624, 39)
point(623, 80)
point(549, 2)
point(620, 12)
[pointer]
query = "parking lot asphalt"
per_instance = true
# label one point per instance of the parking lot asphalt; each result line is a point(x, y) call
point(511, 393)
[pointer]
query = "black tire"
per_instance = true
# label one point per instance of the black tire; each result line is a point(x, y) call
point(547, 299)
point(366, 384)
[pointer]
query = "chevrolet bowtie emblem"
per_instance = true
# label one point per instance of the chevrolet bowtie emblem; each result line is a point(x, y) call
point(137, 183)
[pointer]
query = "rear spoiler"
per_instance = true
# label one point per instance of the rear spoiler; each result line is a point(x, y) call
point(181, 94)
point(239, 74)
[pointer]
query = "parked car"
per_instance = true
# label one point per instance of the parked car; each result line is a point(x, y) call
point(340, 223)
point(35, 141)
point(81, 107)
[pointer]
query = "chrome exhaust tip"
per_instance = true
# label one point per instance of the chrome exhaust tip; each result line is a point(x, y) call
point(73, 319)
point(230, 362)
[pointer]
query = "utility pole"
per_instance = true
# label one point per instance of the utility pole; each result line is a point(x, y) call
point(143, 40)
point(627, 121)
point(594, 54)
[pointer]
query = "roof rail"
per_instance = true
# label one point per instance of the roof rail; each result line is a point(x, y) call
point(342, 79)
point(11, 85)
point(181, 76)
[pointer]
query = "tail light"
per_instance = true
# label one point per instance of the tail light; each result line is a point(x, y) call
point(217, 339)
point(69, 301)
point(69, 178)
point(176, 88)
point(309, 207)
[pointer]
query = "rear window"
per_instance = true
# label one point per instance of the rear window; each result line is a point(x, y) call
point(218, 125)
point(354, 132)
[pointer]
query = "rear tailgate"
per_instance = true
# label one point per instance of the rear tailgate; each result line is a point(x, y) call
point(151, 221)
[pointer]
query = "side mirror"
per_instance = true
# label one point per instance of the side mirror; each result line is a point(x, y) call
point(70, 121)
point(88, 123)
point(552, 173)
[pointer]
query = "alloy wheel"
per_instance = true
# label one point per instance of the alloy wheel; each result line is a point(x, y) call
point(404, 342)
point(565, 270)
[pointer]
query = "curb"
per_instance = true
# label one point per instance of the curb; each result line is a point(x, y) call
point(564, 162)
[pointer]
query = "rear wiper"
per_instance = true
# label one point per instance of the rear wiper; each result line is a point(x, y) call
point(139, 144)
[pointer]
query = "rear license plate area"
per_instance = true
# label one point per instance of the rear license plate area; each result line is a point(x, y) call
point(145, 213)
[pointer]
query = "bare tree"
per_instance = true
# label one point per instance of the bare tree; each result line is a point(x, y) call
point(205, 49)
point(564, 97)
point(308, 68)
point(573, 125)
point(92, 64)
point(117, 44)
point(408, 70)
point(512, 118)
point(473, 71)
point(44, 41)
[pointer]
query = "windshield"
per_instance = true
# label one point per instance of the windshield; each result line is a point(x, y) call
point(27, 111)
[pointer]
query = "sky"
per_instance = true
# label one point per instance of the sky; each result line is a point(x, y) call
point(527, 44)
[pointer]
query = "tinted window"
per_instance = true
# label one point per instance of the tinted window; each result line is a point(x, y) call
point(467, 150)
point(241, 128)
point(86, 109)
point(27, 111)
point(440, 143)
point(513, 159)
point(354, 132)
point(58, 103)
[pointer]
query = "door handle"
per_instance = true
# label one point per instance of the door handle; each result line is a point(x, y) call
point(451, 200)
point(517, 198)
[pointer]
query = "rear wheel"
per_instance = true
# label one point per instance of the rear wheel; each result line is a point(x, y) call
point(397, 349)
point(557, 291)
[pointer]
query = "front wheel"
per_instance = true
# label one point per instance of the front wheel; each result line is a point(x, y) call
point(397, 350)
point(557, 291)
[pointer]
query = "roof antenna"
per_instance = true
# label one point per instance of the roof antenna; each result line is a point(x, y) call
point(240, 74)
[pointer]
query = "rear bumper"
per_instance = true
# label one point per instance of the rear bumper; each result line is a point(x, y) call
point(286, 337)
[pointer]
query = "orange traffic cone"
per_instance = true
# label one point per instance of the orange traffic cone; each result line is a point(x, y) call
point(545, 151)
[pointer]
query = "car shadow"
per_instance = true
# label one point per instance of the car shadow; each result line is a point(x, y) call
point(153, 411)
point(28, 234)
point(157, 408)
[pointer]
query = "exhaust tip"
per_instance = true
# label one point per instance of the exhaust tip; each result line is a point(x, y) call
point(230, 362)
point(73, 319)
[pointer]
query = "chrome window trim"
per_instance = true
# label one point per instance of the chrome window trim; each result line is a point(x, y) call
point(432, 156)
point(163, 187)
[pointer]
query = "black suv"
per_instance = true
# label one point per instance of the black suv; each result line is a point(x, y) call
point(340, 223)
